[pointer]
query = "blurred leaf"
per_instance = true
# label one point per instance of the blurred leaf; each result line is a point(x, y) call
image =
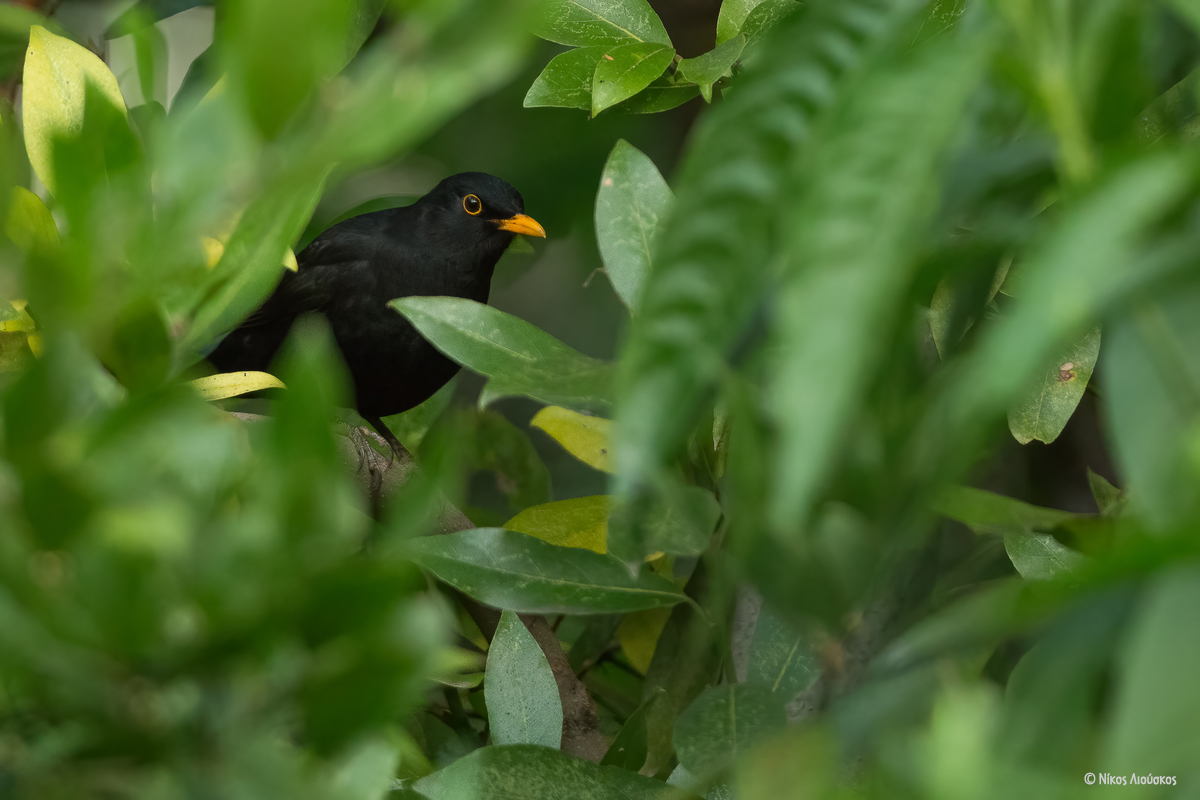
point(522, 696)
point(279, 51)
point(599, 22)
point(518, 572)
point(782, 659)
point(1044, 413)
point(988, 512)
point(625, 70)
point(628, 748)
point(518, 358)
point(1039, 556)
point(503, 448)
point(733, 13)
point(709, 68)
point(566, 82)
point(585, 437)
point(528, 772)
point(638, 636)
point(15, 22)
point(724, 722)
point(365, 773)
point(874, 171)
point(1152, 394)
point(411, 426)
point(231, 384)
point(712, 256)
point(578, 522)
point(147, 12)
point(57, 74)
point(30, 226)
point(1109, 498)
point(1157, 696)
point(631, 205)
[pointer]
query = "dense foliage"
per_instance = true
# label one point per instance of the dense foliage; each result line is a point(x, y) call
point(904, 234)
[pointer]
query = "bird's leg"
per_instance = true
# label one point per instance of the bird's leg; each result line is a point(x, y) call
point(389, 437)
point(362, 445)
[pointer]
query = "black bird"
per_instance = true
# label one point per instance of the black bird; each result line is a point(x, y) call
point(447, 243)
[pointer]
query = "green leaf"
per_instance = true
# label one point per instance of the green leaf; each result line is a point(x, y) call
point(709, 68)
point(712, 257)
point(586, 437)
point(1039, 556)
point(411, 426)
point(625, 70)
point(578, 522)
point(662, 94)
point(147, 12)
point(1045, 411)
point(681, 520)
point(1109, 498)
point(870, 190)
point(782, 659)
point(724, 722)
point(600, 22)
point(631, 205)
point(514, 571)
point(232, 384)
point(528, 772)
point(57, 74)
point(988, 512)
point(519, 687)
point(1151, 387)
point(365, 773)
point(566, 82)
point(731, 16)
point(767, 15)
point(30, 225)
point(521, 360)
point(15, 23)
point(1157, 698)
point(628, 749)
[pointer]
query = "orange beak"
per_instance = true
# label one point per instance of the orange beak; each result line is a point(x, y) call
point(521, 223)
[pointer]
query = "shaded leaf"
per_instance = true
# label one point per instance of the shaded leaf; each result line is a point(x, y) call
point(583, 436)
point(724, 722)
point(1039, 556)
point(522, 696)
point(528, 772)
point(1044, 413)
point(519, 358)
point(30, 225)
point(57, 74)
point(231, 384)
point(631, 205)
point(566, 82)
point(781, 658)
point(628, 749)
point(578, 522)
point(988, 512)
point(1157, 697)
point(625, 70)
point(147, 12)
point(514, 571)
point(1109, 498)
point(599, 22)
point(662, 94)
point(709, 68)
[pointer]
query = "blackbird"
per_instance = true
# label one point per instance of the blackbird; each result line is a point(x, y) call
point(447, 243)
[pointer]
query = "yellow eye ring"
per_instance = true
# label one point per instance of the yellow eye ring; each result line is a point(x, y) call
point(471, 205)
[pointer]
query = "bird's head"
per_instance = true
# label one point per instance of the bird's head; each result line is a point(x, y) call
point(477, 206)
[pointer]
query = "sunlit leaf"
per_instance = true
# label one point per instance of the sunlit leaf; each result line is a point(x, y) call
point(625, 70)
point(578, 522)
point(519, 358)
point(583, 436)
point(1044, 413)
point(514, 571)
point(232, 384)
point(522, 696)
point(57, 74)
point(30, 226)
point(638, 635)
point(631, 205)
point(599, 22)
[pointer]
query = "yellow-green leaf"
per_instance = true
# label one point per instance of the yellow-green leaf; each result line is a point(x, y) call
point(638, 635)
point(57, 72)
point(587, 438)
point(579, 522)
point(30, 225)
point(231, 384)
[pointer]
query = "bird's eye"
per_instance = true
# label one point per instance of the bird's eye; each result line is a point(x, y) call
point(472, 205)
